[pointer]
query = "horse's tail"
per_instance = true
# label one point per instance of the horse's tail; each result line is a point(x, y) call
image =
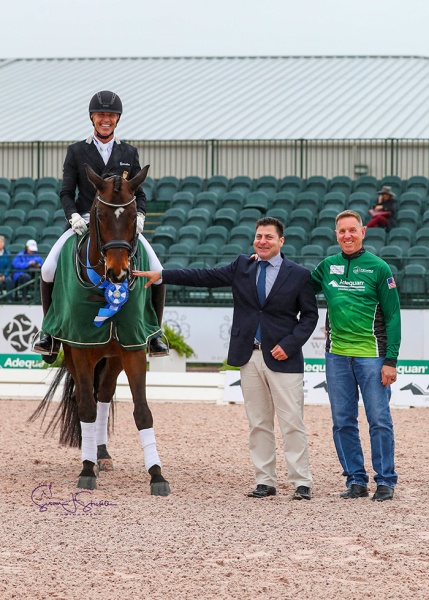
point(66, 415)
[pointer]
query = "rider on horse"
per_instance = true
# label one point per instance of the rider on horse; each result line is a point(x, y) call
point(105, 154)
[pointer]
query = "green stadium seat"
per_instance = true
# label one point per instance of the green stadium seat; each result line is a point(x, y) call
point(149, 187)
point(15, 248)
point(227, 217)
point(206, 253)
point(308, 199)
point(175, 217)
point(14, 217)
point(59, 219)
point(207, 200)
point(425, 219)
point(341, 184)
point(192, 184)
point(24, 200)
point(242, 235)
point(176, 263)
point(165, 235)
point(418, 255)
point(48, 200)
point(46, 184)
point(302, 217)
point(401, 237)
point(367, 184)
point(267, 184)
point(418, 184)
point(160, 250)
point(44, 249)
point(285, 200)
point(248, 217)
point(371, 249)
point(318, 185)
point(326, 217)
point(7, 233)
point(375, 237)
point(412, 200)
point(279, 213)
point(422, 237)
point(360, 202)
point(23, 233)
point(217, 184)
point(257, 200)
point(191, 235)
point(217, 235)
point(199, 264)
point(296, 236)
point(394, 182)
point(184, 200)
point(5, 201)
point(291, 184)
point(333, 249)
point(23, 184)
point(51, 234)
point(409, 218)
point(233, 200)
point(392, 255)
point(414, 283)
point(322, 236)
point(230, 252)
point(6, 185)
point(166, 188)
point(335, 200)
point(289, 251)
point(313, 252)
point(242, 183)
point(38, 218)
point(180, 252)
point(200, 217)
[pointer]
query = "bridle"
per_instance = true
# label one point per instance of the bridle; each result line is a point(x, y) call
point(132, 248)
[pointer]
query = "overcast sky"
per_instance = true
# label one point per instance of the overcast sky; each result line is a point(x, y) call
point(127, 28)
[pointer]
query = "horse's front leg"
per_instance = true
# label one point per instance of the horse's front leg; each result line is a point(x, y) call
point(83, 375)
point(105, 386)
point(135, 367)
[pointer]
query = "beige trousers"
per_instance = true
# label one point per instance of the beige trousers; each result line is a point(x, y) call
point(267, 393)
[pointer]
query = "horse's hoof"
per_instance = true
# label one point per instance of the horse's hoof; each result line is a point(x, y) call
point(87, 482)
point(160, 488)
point(105, 464)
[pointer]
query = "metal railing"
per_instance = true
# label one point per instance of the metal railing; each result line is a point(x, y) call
point(254, 158)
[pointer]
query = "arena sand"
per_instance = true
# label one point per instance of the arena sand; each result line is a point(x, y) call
point(207, 540)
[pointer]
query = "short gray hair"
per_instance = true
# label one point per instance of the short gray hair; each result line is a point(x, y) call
point(349, 213)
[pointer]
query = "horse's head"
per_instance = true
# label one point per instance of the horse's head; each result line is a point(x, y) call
point(113, 222)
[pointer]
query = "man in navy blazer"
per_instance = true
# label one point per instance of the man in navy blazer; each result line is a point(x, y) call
point(266, 343)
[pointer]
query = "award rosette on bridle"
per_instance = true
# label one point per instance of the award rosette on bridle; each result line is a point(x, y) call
point(116, 295)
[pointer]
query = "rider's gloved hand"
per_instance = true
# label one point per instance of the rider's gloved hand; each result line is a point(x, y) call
point(78, 224)
point(140, 222)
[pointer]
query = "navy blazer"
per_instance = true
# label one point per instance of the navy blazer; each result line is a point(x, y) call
point(288, 316)
point(123, 161)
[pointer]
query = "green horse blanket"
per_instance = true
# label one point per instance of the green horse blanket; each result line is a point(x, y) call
point(73, 309)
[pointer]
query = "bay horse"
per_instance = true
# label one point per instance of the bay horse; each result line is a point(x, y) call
point(105, 256)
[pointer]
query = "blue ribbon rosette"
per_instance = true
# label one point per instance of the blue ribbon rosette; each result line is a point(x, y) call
point(116, 295)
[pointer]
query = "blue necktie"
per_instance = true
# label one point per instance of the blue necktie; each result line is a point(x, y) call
point(260, 288)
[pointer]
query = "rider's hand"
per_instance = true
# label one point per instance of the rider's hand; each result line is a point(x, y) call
point(78, 224)
point(140, 222)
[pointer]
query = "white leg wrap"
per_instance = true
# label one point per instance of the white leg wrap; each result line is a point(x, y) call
point(89, 446)
point(101, 422)
point(147, 440)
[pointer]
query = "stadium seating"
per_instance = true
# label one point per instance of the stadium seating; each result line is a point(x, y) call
point(308, 199)
point(166, 188)
point(233, 200)
point(394, 182)
point(280, 214)
point(5, 185)
point(217, 184)
point(341, 184)
point(414, 283)
point(14, 217)
point(296, 236)
point(23, 233)
point(375, 237)
point(401, 237)
point(335, 200)
point(392, 255)
point(242, 184)
point(227, 217)
point(367, 184)
point(302, 217)
point(216, 235)
point(23, 184)
point(318, 185)
point(418, 255)
point(291, 184)
point(257, 200)
point(191, 184)
point(184, 200)
point(24, 200)
point(322, 236)
point(418, 184)
point(267, 184)
point(285, 200)
point(207, 200)
point(175, 217)
point(200, 217)
point(149, 187)
point(165, 235)
point(249, 216)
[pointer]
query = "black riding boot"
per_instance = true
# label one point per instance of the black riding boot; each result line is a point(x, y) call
point(47, 345)
point(157, 346)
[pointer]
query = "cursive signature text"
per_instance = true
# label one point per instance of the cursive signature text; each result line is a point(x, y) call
point(43, 497)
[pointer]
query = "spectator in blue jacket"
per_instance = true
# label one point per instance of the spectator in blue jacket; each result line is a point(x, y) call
point(24, 264)
point(6, 281)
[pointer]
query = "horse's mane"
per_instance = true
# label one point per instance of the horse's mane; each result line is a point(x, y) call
point(117, 183)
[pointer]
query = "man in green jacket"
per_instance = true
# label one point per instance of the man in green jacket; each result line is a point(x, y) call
point(363, 330)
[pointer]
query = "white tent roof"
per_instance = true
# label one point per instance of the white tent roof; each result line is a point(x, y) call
point(286, 97)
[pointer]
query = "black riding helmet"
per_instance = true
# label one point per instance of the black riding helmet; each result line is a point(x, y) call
point(105, 101)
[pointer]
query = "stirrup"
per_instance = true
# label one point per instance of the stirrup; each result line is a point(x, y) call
point(155, 354)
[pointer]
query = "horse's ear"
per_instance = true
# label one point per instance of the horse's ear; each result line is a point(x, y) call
point(97, 181)
point(139, 178)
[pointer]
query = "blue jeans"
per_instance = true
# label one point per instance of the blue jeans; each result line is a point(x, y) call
point(343, 376)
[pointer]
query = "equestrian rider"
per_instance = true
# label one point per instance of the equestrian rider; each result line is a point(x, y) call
point(106, 154)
